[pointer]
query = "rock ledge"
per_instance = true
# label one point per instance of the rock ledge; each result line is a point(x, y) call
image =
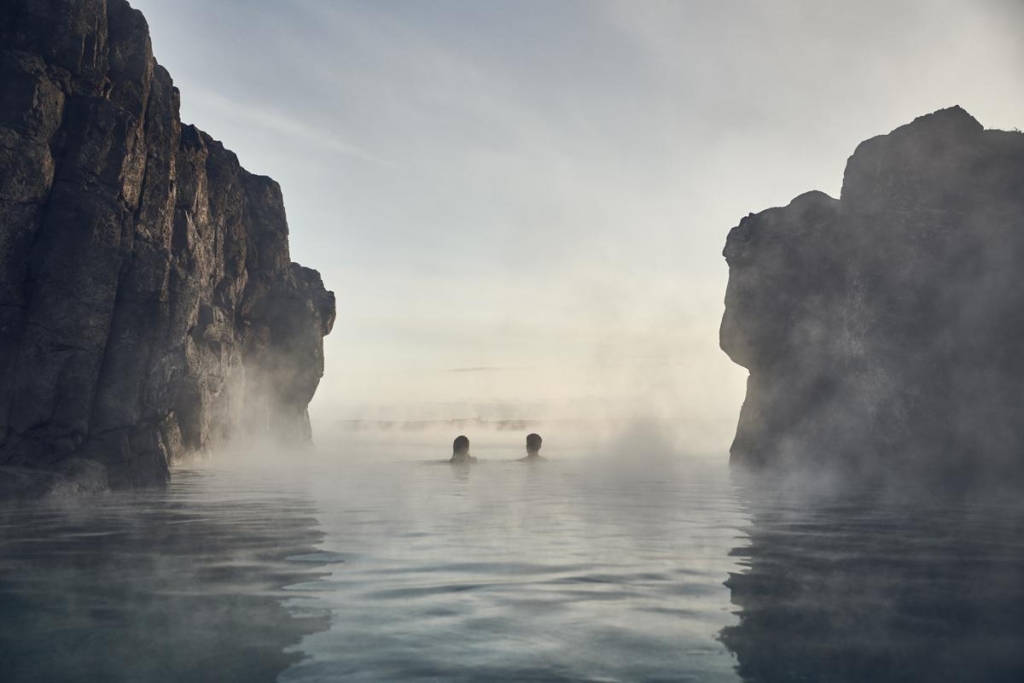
point(148, 305)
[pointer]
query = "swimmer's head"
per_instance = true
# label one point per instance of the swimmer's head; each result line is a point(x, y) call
point(533, 442)
point(460, 445)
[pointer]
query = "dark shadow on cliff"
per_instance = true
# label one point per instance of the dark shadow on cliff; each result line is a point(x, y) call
point(192, 584)
point(882, 329)
point(855, 588)
point(149, 306)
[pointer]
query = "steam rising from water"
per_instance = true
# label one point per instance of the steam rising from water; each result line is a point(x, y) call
point(382, 566)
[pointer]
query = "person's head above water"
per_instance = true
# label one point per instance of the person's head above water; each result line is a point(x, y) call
point(533, 443)
point(460, 451)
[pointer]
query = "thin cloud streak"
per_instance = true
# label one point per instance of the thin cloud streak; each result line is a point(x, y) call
point(281, 124)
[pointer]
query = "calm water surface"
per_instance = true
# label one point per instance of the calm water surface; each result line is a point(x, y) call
point(574, 570)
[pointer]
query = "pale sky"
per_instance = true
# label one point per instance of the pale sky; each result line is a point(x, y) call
point(521, 205)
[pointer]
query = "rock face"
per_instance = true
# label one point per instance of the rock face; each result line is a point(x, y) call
point(884, 331)
point(148, 305)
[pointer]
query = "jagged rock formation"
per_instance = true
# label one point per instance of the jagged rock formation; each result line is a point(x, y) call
point(148, 304)
point(883, 331)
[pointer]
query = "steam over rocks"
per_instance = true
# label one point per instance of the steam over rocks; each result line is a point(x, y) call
point(148, 305)
point(884, 331)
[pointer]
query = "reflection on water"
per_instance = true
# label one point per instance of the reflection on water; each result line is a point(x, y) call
point(525, 572)
point(854, 590)
point(179, 585)
point(564, 571)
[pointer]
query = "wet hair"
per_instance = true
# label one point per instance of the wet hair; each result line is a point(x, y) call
point(460, 444)
point(533, 442)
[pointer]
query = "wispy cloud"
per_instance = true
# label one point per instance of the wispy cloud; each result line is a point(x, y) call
point(282, 124)
point(531, 204)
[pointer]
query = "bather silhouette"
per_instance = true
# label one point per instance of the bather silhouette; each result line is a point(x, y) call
point(533, 444)
point(460, 452)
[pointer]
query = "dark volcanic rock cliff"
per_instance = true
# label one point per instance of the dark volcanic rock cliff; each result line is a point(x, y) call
point(885, 330)
point(148, 304)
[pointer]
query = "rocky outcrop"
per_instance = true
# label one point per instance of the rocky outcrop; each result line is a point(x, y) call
point(883, 331)
point(148, 305)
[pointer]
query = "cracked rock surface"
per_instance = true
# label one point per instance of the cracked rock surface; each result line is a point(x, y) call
point(149, 308)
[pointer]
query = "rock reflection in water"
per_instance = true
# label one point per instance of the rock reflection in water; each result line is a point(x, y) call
point(186, 584)
point(855, 590)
